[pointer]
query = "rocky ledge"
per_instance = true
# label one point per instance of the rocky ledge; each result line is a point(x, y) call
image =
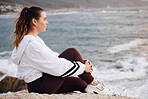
point(25, 95)
point(15, 88)
point(6, 8)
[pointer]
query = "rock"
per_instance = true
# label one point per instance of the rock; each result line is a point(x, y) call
point(2, 75)
point(118, 66)
point(12, 84)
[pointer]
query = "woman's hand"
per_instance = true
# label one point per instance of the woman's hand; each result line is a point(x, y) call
point(88, 66)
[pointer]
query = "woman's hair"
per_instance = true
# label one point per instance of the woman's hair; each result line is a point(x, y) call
point(23, 23)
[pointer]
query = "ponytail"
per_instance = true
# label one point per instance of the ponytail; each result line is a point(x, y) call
point(23, 23)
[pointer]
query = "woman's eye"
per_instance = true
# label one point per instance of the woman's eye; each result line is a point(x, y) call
point(45, 19)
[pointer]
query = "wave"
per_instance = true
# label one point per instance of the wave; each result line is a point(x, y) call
point(126, 46)
point(134, 64)
point(8, 16)
point(121, 11)
point(63, 12)
point(8, 67)
point(5, 54)
point(131, 75)
point(124, 68)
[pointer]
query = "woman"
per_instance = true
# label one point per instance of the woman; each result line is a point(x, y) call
point(46, 71)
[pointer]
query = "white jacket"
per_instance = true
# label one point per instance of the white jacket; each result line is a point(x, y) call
point(33, 58)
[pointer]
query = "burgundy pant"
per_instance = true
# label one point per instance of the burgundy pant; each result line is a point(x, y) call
point(52, 84)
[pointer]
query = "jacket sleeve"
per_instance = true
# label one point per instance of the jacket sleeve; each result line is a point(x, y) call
point(45, 60)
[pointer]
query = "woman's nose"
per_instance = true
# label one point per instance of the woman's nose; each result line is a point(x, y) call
point(47, 22)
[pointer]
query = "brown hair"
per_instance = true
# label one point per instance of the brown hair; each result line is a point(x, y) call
point(23, 23)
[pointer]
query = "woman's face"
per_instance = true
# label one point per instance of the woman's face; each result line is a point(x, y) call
point(42, 22)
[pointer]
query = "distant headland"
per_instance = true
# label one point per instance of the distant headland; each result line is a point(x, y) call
point(14, 6)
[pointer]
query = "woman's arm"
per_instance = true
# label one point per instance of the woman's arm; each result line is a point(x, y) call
point(46, 61)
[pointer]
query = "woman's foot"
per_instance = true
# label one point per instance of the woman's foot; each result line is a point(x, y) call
point(99, 88)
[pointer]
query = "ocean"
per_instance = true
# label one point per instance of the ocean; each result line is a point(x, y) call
point(115, 40)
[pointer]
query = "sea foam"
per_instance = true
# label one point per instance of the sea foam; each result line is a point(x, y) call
point(126, 46)
point(7, 67)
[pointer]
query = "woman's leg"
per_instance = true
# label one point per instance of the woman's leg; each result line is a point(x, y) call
point(46, 84)
point(51, 84)
point(73, 55)
point(71, 84)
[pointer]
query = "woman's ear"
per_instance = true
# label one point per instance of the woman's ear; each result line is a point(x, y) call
point(34, 21)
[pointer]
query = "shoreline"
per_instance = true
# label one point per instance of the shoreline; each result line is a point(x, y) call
point(81, 8)
point(74, 95)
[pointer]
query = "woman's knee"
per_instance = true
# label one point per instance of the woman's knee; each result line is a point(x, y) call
point(77, 83)
point(72, 49)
